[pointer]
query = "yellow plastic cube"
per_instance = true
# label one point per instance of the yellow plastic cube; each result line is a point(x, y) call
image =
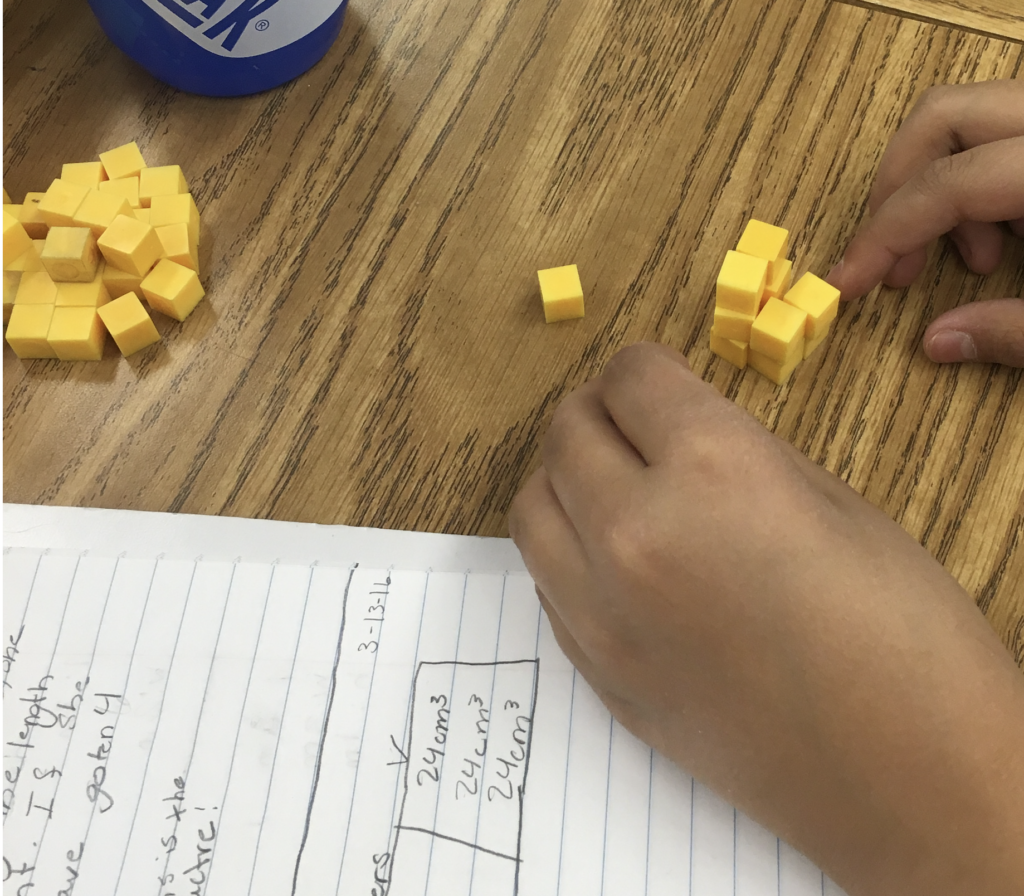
point(77, 334)
point(764, 241)
point(89, 174)
point(740, 283)
point(7, 198)
point(60, 202)
point(118, 282)
point(82, 295)
point(165, 180)
point(12, 280)
point(780, 278)
point(730, 325)
point(126, 188)
point(31, 218)
point(36, 288)
point(179, 208)
point(124, 161)
point(14, 210)
point(98, 210)
point(30, 260)
point(178, 246)
point(769, 367)
point(818, 300)
point(732, 350)
point(16, 241)
point(127, 321)
point(811, 344)
point(130, 245)
point(778, 332)
point(70, 254)
point(27, 331)
point(142, 214)
point(561, 293)
point(172, 289)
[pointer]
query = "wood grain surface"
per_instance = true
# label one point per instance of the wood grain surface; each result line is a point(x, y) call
point(999, 18)
point(372, 350)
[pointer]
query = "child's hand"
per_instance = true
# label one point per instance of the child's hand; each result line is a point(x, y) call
point(955, 166)
point(757, 621)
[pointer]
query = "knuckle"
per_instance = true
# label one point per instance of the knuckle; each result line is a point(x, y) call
point(632, 544)
point(633, 360)
point(935, 100)
point(943, 177)
point(561, 427)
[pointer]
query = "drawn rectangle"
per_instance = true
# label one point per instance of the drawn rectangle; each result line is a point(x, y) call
point(468, 755)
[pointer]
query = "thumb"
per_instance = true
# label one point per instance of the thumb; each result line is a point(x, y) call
point(991, 331)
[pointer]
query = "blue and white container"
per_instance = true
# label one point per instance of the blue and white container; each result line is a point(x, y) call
point(222, 47)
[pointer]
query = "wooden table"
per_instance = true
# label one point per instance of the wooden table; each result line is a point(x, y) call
point(373, 352)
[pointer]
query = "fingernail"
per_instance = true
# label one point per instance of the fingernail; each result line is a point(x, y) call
point(950, 346)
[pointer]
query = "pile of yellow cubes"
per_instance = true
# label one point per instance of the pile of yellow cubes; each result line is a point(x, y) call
point(760, 318)
point(79, 258)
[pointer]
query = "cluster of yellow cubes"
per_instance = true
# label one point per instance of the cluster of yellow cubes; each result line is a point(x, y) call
point(761, 317)
point(80, 258)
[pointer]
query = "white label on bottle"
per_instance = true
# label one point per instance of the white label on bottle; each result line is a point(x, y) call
point(242, 28)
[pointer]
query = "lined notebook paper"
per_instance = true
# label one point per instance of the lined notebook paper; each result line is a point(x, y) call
point(216, 706)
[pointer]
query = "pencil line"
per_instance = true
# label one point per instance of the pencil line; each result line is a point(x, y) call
point(329, 705)
point(473, 846)
point(280, 729)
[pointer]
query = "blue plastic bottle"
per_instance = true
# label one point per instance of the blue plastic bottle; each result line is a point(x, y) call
point(222, 47)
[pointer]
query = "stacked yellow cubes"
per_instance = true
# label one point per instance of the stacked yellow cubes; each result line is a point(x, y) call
point(760, 318)
point(79, 258)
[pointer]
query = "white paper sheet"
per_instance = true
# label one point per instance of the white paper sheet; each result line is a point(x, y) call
point(377, 713)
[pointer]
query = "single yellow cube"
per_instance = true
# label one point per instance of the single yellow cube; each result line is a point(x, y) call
point(118, 282)
point(740, 283)
point(179, 208)
point(142, 214)
point(60, 202)
point(83, 295)
point(561, 293)
point(89, 174)
point(70, 254)
point(178, 246)
point(769, 367)
point(36, 288)
point(12, 280)
point(124, 161)
point(77, 334)
point(732, 350)
point(172, 289)
point(817, 299)
point(764, 241)
point(130, 245)
point(31, 218)
point(778, 332)
point(165, 180)
point(98, 210)
point(780, 278)
point(30, 260)
point(127, 321)
point(16, 241)
point(811, 344)
point(126, 188)
point(13, 210)
point(27, 330)
point(730, 325)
